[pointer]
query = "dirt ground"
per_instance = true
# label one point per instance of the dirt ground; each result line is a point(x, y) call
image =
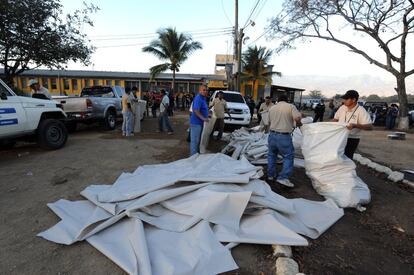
point(379, 240)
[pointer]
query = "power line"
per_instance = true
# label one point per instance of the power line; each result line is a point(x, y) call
point(225, 13)
point(118, 36)
point(251, 13)
point(155, 35)
point(259, 10)
point(147, 43)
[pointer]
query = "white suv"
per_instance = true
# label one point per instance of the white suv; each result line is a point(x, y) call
point(31, 118)
point(238, 109)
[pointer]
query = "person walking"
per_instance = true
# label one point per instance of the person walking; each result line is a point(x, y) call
point(319, 111)
point(219, 105)
point(127, 115)
point(392, 114)
point(38, 89)
point(163, 120)
point(265, 107)
point(282, 118)
point(154, 105)
point(199, 115)
point(356, 118)
point(331, 107)
point(259, 116)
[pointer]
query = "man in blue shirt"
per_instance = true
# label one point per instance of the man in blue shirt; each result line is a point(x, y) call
point(199, 115)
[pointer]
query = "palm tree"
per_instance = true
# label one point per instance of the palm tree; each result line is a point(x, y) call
point(255, 61)
point(172, 47)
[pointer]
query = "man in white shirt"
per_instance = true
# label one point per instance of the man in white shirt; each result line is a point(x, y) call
point(163, 120)
point(356, 118)
point(38, 89)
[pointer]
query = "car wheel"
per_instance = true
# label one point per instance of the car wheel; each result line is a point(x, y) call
point(110, 120)
point(51, 134)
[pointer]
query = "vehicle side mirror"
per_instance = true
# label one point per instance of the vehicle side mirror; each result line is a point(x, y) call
point(3, 96)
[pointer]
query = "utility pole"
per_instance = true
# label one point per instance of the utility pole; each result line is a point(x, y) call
point(236, 48)
point(239, 59)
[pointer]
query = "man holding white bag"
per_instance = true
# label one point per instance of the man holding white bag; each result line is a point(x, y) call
point(356, 118)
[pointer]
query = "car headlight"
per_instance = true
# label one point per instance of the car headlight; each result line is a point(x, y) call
point(246, 111)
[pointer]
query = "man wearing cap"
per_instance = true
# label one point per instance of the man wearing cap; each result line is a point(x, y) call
point(356, 118)
point(220, 107)
point(38, 89)
point(282, 117)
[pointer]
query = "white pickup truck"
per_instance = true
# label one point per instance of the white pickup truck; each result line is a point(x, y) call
point(32, 119)
point(238, 109)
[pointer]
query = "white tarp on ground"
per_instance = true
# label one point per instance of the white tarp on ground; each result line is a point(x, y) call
point(333, 175)
point(177, 228)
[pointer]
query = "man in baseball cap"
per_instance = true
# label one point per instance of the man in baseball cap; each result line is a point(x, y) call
point(356, 118)
point(38, 89)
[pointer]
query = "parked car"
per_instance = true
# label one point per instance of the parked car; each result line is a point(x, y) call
point(95, 104)
point(31, 119)
point(311, 103)
point(238, 109)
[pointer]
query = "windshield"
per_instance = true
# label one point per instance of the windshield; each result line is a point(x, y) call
point(4, 90)
point(237, 98)
point(97, 92)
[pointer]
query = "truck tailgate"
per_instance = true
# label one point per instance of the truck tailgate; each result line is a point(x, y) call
point(74, 104)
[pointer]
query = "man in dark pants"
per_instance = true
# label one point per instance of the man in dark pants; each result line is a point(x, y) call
point(356, 118)
point(319, 111)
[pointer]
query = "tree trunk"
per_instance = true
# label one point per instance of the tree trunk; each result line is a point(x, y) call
point(403, 123)
point(173, 83)
point(8, 78)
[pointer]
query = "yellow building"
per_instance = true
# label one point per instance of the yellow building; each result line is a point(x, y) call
point(71, 82)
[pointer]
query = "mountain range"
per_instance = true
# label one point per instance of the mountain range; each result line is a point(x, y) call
point(331, 85)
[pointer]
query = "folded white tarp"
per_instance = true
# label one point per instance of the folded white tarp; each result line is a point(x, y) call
point(332, 173)
point(198, 168)
point(167, 228)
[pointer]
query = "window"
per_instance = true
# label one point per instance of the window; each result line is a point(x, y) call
point(45, 83)
point(4, 90)
point(145, 86)
point(87, 82)
point(248, 90)
point(96, 82)
point(230, 97)
point(117, 82)
point(260, 91)
point(24, 82)
point(66, 84)
point(74, 84)
point(53, 83)
point(108, 82)
point(131, 84)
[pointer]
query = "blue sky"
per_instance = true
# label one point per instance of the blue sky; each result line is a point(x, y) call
point(120, 21)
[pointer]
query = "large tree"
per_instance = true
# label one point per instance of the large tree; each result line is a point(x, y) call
point(36, 33)
point(388, 23)
point(255, 65)
point(172, 47)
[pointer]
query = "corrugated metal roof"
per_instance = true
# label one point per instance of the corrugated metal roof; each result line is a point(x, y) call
point(115, 75)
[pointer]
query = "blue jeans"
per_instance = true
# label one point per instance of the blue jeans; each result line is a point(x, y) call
point(164, 122)
point(195, 136)
point(127, 126)
point(280, 144)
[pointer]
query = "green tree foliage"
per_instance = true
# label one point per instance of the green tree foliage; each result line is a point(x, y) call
point(173, 48)
point(35, 33)
point(255, 61)
point(315, 94)
point(386, 23)
point(373, 97)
